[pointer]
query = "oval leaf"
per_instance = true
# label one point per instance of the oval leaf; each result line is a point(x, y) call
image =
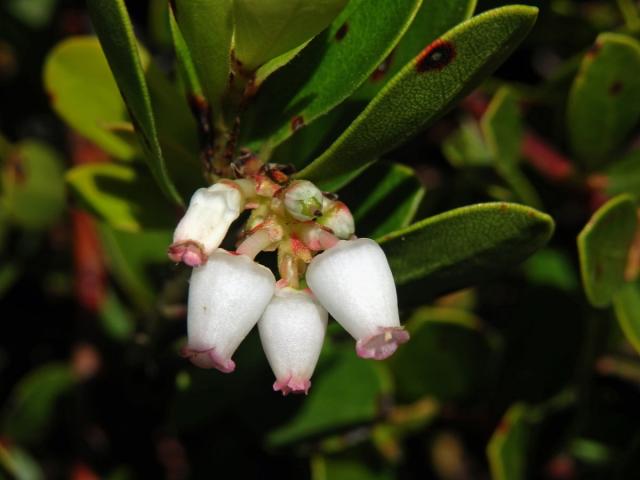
point(268, 28)
point(328, 70)
point(432, 20)
point(462, 246)
point(429, 85)
point(113, 26)
point(626, 303)
point(603, 246)
point(207, 27)
point(604, 102)
point(32, 185)
point(83, 92)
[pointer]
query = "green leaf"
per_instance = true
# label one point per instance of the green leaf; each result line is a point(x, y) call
point(348, 467)
point(115, 320)
point(32, 404)
point(83, 92)
point(121, 195)
point(383, 199)
point(466, 146)
point(553, 268)
point(508, 448)
point(136, 260)
point(446, 358)
point(18, 463)
point(328, 70)
point(603, 246)
point(604, 102)
point(207, 27)
point(424, 89)
point(33, 193)
point(432, 20)
point(114, 29)
point(266, 29)
point(462, 246)
point(185, 67)
point(325, 410)
point(626, 303)
point(623, 176)
point(503, 131)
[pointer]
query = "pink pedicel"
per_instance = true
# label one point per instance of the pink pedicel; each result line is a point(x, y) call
point(383, 344)
point(208, 359)
point(292, 385)
point(189, 252)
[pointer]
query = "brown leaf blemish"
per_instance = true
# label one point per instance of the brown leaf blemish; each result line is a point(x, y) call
point(594, 49)
point(435, 56)
point(383, 68)
point(342, 31)
point(297, 122)
point(615, 88)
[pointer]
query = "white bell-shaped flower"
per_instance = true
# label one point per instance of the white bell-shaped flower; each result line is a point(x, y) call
point(205, 223)
point(227, 296)
point(292, 330)
point(354, 283)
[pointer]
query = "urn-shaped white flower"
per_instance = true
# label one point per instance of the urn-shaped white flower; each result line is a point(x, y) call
point(292, 330)
point(203, 227)
point(227, 296)
point(354, 283)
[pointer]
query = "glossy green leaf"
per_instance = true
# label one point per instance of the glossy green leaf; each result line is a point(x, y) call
point(503, 131)
point(623, 176)
point(603, 246)
point(446, 358)
point(462, 246)
point(508, 448)
point(32, 404)
point(424, 89)
point(432, 20)
point(604, 102)
point(626, 303)
point(265, 29)
point(33, 193)
point(207, 27)
point(324, 410)
point(83, 92)
point(133, 260)
point(383, 199)
point(328, 70)
point(114, 29)
point(121, 195)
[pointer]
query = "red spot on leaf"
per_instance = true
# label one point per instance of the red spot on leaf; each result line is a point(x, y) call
point(297, 123)
point(593, 51)
point(342, 31)
point(382, 69)
point(615, 88)
point(435, 56)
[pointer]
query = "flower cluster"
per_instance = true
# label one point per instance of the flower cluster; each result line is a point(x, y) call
point(324, 269)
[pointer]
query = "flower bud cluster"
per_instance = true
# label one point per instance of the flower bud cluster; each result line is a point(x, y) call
point(323, 268)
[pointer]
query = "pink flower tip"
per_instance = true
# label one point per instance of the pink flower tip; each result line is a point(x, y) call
point(208, 359)
point(292, 385)
point(189, 252)
point(383, 344)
